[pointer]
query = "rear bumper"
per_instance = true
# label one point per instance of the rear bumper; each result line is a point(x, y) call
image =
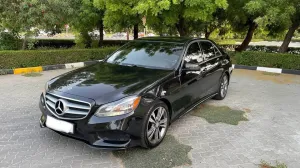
point(105, 133)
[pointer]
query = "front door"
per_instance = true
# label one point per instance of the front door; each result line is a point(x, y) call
point(185, 89)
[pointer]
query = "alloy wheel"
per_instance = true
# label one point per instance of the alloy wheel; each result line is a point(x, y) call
point(224, 86)
point(157, 125)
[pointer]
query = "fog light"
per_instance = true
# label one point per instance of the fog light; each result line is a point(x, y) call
point(42, 121)
point(43, 118)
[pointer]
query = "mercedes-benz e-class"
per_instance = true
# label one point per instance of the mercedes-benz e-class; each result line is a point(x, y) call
point(131, 97)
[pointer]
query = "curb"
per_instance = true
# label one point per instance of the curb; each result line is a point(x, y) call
point(82, 64)
point(46, 67)
point(265, 69)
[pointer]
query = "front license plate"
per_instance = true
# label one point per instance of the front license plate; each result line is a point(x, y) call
point(59, 125)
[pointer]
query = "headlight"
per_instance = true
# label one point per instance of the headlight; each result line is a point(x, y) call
point(123, 106)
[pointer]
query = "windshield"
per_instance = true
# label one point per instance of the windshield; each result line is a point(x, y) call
point(156, 55)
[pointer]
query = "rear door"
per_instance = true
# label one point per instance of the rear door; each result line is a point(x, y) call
point(211, 66)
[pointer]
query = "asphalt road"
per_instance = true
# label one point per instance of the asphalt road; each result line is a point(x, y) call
point(272, 133)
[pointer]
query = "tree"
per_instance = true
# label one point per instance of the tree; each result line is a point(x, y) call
point(279, 16)
point(274, 15)
point(28, 15)
point(217, 20)
point(121, 15)
point(158, 24)
point(181, 13)
point(293, 22)
point(243, 16)
point(88, 16)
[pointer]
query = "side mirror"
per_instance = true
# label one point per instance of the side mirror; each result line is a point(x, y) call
point(191, 67)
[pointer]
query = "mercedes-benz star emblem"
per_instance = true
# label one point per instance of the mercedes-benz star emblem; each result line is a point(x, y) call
point(59, 107)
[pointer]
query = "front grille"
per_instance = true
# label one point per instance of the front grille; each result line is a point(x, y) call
point(70, 108)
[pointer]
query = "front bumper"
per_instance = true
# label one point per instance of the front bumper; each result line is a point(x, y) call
point(118, 132)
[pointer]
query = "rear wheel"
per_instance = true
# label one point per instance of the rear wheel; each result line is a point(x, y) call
point(155, 126)
point(223, 88)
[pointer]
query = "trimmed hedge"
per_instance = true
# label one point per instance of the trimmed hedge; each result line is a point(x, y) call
point(55, 43)
point(31, 58)
point(263, 59)
point(68, 43)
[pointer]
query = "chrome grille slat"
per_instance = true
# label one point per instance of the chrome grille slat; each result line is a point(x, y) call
point(74, 109)
point(51, 98)
point(52, 105)
point(78, 106)
point(69, 111)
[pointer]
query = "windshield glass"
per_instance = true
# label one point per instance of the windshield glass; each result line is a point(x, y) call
point(156, 55)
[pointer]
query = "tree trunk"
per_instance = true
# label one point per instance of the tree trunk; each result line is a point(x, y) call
point(252, 27)
point(24, 43)
point(207, 33)
point(87, 40)
point(136, 31)
point(101, 35)
point(288, 37)
point(161, 33)
point(127, 34)
point(181, 27)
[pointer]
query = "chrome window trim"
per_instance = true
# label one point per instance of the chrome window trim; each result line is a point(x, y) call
point(210, 59)
point(215, 47)
point(198, 41)
point(185, 53)
point(65, 118)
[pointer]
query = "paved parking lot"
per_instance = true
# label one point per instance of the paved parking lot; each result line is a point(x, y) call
point(271, 103)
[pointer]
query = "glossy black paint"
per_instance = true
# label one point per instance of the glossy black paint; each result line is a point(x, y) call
point(104, 82)
point(181, 89)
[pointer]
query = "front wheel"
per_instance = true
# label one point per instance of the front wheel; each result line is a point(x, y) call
point(155, 125)
point(223, 88)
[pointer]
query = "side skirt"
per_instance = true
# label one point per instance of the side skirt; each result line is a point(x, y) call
point(196, 104)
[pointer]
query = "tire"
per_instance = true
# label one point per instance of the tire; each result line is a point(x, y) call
point(154, 127)
point(223, 88)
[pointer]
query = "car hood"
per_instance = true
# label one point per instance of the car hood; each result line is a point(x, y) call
point(106, 82)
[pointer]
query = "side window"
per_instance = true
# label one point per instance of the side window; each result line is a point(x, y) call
point(217, 51)
point(209, 50)
point(194, 54)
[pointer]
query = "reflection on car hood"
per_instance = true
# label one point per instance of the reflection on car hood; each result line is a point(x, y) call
point(106, 82)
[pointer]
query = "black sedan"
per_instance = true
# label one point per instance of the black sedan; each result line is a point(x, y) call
point(132, 96)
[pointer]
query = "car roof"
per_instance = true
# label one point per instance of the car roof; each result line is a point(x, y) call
point(181, 40)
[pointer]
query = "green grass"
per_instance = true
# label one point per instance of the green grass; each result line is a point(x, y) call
point(225, 42)
point(270, 73)
point(264, 164)
point(295, 40)
point(32, 74)
point(219, 114)
point(168, 154)
point(233, 41)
